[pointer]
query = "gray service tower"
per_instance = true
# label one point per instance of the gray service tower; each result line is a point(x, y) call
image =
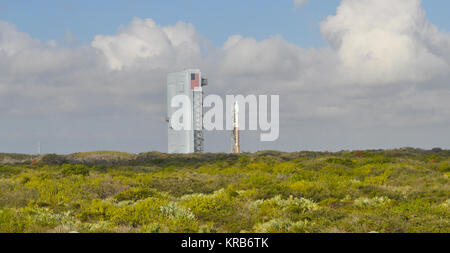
point(188, 82)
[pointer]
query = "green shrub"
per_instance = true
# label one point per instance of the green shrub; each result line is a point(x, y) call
point(53, 159)
point(100, 227)
point(210, 206)
point(282, 226)
point(137, 194)
point(12, 221)
point(444, 167)
point(152, 228)
point(373, 202)
point(277, 206)
point(342, 161)
point(74, 169)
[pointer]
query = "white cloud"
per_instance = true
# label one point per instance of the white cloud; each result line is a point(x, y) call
point(298, 3)
point(379, 41)
point(273, 56)
point(143, 39)
point(13, 41)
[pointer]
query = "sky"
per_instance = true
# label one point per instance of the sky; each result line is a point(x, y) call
point(351, 74)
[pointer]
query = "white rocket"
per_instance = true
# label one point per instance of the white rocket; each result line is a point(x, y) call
point(235, 136)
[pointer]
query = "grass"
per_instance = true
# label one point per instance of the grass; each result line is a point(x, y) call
point(388, 191)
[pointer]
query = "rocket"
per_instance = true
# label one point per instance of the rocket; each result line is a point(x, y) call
point(236, 129)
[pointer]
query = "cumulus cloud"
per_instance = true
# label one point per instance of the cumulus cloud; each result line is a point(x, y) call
point(381, 41)
point(144, 39)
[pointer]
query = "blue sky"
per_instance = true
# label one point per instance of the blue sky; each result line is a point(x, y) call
point(215, 19)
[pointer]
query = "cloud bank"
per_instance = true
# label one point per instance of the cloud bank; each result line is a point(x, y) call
point(385, 65)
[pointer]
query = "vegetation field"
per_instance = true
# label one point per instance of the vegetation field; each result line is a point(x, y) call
point(403, 190)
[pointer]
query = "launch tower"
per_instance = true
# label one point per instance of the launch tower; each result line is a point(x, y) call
point(189, 83)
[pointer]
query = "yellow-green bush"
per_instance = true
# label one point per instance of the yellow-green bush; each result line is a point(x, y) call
point(278, 207)
point(74, 169)
point(282, 226)
point(211, 206)
point(404, 190)
point(137, 194)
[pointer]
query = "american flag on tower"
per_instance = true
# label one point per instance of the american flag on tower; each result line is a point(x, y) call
point(195, 82)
